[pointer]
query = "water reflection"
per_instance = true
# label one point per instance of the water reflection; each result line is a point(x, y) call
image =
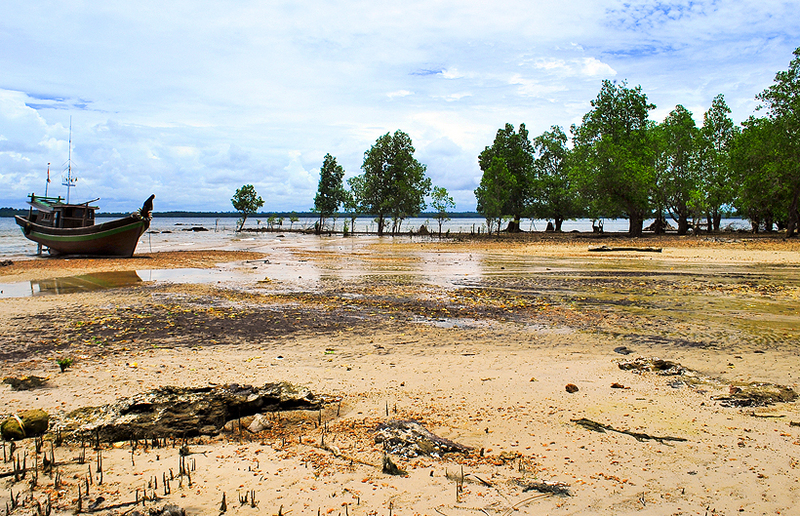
point(103, 281)
point(84, 283)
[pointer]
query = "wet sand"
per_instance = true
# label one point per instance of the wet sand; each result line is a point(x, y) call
point(475, 339)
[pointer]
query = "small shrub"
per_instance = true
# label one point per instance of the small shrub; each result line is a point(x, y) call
point(64, 363)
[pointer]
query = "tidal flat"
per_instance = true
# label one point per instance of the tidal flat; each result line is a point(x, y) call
point(476, 339)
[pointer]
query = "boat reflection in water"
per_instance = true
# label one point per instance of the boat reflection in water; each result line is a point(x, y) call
point(84, 283)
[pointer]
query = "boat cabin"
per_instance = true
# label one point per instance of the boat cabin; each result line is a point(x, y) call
point(53, 212)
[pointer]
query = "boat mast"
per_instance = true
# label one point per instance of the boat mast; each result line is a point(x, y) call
point(48, 180)
point(69, 181)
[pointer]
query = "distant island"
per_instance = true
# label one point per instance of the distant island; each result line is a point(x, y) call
point(10, 212)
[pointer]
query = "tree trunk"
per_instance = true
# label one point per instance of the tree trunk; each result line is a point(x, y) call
point(768, 223)
point(636, 221)
point(380, 224)
point(717, 220)
point(659, 224)
point(558, 221)
point(794, 214)
point(754, 223)
point(683, 224)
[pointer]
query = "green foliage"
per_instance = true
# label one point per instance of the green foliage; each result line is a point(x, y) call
point(494, 192)
point(10, 212)
point(614, 154)
point(553, 195)
point(516, 151)
point(64, 363)
point(246, 200)
point(621, 165)
point(754, 160)
point(330, 192)
point(292, 219)
point(782, 102)
point(351, 203)
point(716, 138)
point(677, 178)
point(441, 202)
point(393, 184)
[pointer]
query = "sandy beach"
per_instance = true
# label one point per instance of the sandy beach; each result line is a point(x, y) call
point(476, 339)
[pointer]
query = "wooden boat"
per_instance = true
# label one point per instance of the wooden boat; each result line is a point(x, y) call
point(65, 228)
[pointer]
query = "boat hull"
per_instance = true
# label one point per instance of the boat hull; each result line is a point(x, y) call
point(114, 238)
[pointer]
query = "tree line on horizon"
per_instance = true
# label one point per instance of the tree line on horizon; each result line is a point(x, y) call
point(620, 164)
point(623, 165)
point(392, 188)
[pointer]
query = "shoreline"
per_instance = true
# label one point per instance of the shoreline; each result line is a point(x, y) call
point(482, 360)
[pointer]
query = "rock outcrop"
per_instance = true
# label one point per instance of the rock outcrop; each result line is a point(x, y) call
point(184, 411)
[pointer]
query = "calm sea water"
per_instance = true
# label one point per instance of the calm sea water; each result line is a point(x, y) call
point(177, 233)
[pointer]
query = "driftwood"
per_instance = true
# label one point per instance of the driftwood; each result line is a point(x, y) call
point(653, 365)
point(166, 510)
point(556, 488)
point(757, 394)
point(600, 427)
point(606, 249)
point(740, 394)
point(410, 439)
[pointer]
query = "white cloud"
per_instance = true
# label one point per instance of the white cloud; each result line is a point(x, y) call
point(593, 67)
point(299, 183)
point(174, 95)
point(456, 96)
point(16, 156)
point(586, 66)
point(451, 73)
point(551, 64)
point(534, 88)
point(399, 94)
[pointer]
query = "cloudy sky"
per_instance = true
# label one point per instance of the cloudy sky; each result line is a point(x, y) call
point(192, 99)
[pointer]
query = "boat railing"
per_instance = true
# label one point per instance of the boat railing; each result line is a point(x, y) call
point(44, 198)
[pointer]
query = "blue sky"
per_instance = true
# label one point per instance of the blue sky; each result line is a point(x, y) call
point(192, 99)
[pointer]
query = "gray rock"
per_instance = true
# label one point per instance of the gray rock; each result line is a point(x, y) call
point(260, 423)
point(235, 425)
point(185, 411)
